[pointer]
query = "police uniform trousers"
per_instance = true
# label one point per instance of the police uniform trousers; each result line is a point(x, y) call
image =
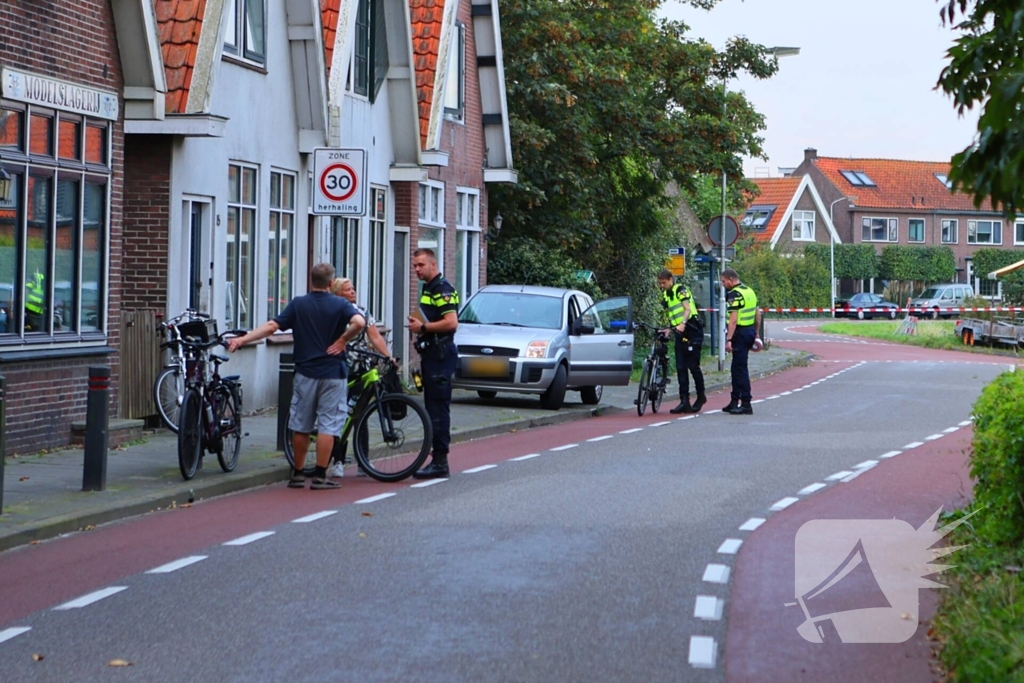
point(437, 367)
point(688, 363)
point(742, 341)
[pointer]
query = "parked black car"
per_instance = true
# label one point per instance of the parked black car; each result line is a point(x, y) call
point(866, 306)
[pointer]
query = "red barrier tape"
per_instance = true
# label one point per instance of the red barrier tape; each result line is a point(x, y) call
point(940, 309)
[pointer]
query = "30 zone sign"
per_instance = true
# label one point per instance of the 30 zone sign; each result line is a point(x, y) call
point(338, 182)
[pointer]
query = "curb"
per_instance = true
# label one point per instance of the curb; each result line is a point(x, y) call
point(271, 474)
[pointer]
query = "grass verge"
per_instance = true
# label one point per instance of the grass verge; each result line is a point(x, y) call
point(931, 334)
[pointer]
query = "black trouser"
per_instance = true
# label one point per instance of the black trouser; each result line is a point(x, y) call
point(437, 367)
point(742, 341)
point(688, 363)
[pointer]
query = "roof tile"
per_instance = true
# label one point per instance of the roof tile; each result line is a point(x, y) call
point(329, 10)
point(777, 192)
point(179, 24)
point(898, 184)
point(426, 18)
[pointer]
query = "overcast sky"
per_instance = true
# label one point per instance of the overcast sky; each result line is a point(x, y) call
point(862, 85)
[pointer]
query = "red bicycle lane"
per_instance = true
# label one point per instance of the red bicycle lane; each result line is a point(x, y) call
point(38, 576)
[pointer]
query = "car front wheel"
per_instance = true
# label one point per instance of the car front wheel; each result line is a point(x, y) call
point(892, 314)
point(487, 395)
point(860, 314)
point(591, 396)
point(554, 397)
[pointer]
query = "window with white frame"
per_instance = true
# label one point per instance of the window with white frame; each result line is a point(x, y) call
point(879, 230)
point(246, 33)
point(431, 203)
point(1018, 233)
point(915, 230)
point(984, 232)
point(803, 226)
point(467, 242)
point(279, 242)
point(455, 74)
point(990, 289)
point(949, 231)
point(369, 63)
point(378, 233)
point(54, 232)
point(345, 247)
point(242, 184)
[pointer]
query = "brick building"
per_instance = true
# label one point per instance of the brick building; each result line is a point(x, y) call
point(61, 145)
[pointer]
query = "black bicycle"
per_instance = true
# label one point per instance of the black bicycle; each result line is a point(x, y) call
point(169, 387)
point(210, 418)
point(654, 375)
point(390, 432)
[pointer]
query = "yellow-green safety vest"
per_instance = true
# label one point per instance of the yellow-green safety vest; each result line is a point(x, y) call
point(35, 297)
point(747, 313)
point(674, 298)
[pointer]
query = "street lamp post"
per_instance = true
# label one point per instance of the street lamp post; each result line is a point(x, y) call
point(832, 254)
point(776, 52)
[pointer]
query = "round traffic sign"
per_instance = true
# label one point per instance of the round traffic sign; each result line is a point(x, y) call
point(732, 231)
point(338, 182)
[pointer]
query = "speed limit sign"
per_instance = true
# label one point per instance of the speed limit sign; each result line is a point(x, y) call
point(338, 182)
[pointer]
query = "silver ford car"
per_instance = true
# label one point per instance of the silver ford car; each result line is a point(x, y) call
point(543, 340)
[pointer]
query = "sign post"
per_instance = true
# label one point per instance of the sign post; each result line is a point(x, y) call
point(339, 176)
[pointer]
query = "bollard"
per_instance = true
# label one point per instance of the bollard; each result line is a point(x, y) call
point(97, 415)
point(3, 436)
point(285, 384)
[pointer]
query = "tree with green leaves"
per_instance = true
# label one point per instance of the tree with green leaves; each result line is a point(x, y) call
point(607, 105)
point(986, 69)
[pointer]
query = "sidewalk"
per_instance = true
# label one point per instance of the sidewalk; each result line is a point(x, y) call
point(43, 497)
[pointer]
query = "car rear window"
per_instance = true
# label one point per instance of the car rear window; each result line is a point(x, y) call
point(514, 309)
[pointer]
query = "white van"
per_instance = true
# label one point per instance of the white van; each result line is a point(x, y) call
point(932, 301)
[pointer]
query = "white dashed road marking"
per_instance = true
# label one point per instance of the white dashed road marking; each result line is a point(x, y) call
point(783, 504)
point(912, 445)
point(632, 431)
point(313, 517)
point(702, 652)
point(890, 454)
point(87, 600)
point(709, 608)
point(379, 496)
point(482, 468)
point(950, 430)
point(838, 475)
point(808, 490)
point(177, 564)
point(965, 423)
point(565, 447)
point(866, 463)
point(730, 546)
point(526, 457)
point(659, 424)
point(431, 482)
point(716, 573)
point(933, 437)
point(601, 438)
point(245, 540)
point(751, 524)
point(12, 632)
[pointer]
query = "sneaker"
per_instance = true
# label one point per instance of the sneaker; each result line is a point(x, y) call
point(337, 470)
point(324, 484)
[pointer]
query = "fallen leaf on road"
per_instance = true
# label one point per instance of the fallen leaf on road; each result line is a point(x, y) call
point(23, 479)
point(90, 527)
point(36, 657)
point(362, 535)
point(119, 662)
point(33, 542)
point(367, 514)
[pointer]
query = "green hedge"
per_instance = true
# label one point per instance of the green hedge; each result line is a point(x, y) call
point(855, 261)
point(988, 259)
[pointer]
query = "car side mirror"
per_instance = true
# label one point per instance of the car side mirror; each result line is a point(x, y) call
point(579, 328)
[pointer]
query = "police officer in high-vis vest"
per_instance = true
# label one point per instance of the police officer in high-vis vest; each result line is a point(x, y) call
point(688, 330)
point(35, 303)
point(435, 343)
point(744, 321)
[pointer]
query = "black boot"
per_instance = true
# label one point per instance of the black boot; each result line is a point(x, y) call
point(683, 407)
point(699, 403)
point(437, 469)
point(744, 408)
point(733, 404)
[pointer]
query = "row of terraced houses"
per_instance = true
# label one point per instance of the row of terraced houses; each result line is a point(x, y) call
point(159, 154)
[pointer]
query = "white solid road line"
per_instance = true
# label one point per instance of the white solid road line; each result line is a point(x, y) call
point(313, 517)
point(379, 496)
point(565, 447)
point(86, 600)
point(752, 524)
point(890, 454)
point(866, 463)
point(912, 445)
point(709, 608)
point(177, 564)
point(808, 490)
point(783, 504)
point(702, 652)
point(245, 540)
point(431, 482)
point(525, 457)
point(730, 546)
point(601, 438)
point(716, 573)
point(482, 468)
point(9, 633)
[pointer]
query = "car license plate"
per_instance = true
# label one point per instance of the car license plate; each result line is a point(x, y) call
point(485, 367)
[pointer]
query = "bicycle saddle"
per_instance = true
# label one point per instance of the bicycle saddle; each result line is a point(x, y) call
point(219, 359)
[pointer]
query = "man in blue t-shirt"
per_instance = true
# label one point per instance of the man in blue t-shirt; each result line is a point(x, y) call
point(322, 324)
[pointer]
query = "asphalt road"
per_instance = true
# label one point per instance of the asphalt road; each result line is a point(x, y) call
point(569, 553)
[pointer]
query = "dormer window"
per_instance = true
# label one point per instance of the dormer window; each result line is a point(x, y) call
point(246, 34)
point(944, 179)
point(455, 73)
point(858, 178)
point(757, 217)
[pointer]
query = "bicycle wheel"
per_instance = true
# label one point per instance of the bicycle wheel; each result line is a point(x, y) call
point(229, 420)
point(392, 437)
point(167, 394)
point(656, 391)
point(641, 393)
point(190, 433)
